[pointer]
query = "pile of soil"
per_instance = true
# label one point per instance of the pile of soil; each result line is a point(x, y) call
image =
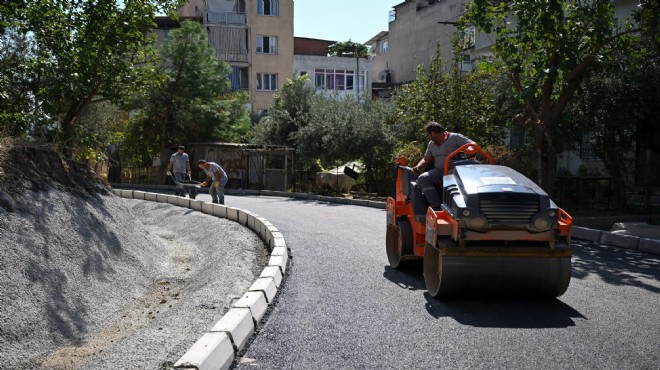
point(90, 280)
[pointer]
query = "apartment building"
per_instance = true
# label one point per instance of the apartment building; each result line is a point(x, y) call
point(334, 76)
point(416, 28)
point(255, 37)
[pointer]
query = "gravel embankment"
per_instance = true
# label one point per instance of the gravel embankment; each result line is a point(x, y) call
point(115, 283)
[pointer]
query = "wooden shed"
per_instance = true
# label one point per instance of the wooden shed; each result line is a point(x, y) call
point(249, 166)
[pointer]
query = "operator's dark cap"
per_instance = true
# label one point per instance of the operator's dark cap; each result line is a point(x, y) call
point(182, 147)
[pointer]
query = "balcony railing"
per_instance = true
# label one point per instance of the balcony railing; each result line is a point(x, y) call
point(232, 56)
point(226, 17)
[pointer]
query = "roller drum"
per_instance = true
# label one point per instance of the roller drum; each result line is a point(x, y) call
point(447, 276)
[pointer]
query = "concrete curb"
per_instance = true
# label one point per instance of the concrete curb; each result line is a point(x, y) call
point(217, 348)
point(616, 240)
point(273, 193)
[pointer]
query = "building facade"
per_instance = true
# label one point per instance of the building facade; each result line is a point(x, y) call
point(255, 37)
point(416, 29)
point(334, 76)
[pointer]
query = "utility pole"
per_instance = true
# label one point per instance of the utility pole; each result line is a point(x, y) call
point(357, 77)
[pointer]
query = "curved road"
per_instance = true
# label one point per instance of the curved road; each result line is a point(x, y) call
point(342, 306)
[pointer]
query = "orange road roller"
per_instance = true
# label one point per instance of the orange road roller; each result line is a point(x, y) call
point(497, 232)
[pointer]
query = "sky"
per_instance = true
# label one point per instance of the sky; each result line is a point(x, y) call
point(341, 20)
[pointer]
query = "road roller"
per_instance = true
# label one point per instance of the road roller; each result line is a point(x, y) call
point(497, 232)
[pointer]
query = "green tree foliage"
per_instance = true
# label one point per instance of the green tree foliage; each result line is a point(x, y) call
point(465, 103)
point(618, 107)
point(348, 49)
point(547, 48)
point(328, 131)
point(80, 52)
point(193, 102)
point(288, 113)
point(342, 130)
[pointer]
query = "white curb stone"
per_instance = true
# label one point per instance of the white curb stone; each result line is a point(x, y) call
point(161, 198)
point(232, 214)
point(277, 241)
point(623, 241)
point(211, 351)
point(274, 273)
point(256, 302)
point(183, 202)
point(138, 194)
point(265, 285)
point(207, 208)
point(220, 210)
point(173, 200)
point(649, 245)
point(196, 205)
point(243, 217)
point(238, 323)
point(586, 234)
point(279, 261)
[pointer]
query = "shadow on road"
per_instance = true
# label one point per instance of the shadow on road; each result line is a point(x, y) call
point(487, 312)
point(616, 266)
point(505, 313)
point(409, 278)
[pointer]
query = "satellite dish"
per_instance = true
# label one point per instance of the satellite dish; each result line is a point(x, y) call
point(382, 75)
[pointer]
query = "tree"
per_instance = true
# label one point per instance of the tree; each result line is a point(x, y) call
point(85, 51)
point(288, 113)
point(350, 49)
point(547, 48)
point(193, 103)
point(342, 130)
point(464, 103)
point(618, 106)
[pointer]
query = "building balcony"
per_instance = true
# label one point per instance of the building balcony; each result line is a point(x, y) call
point(232, 56)
point(217, 17)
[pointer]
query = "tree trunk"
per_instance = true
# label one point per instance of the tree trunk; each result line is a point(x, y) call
point(546, 161)
point(164, 157)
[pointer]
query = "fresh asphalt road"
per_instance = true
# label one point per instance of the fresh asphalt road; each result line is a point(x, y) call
point(343, 307)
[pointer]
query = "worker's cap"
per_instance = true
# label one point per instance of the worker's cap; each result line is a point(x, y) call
point(182, 147)
point(201, 161)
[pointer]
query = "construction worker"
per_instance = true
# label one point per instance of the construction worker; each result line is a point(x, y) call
point(441, 144)
point(216, 178)
point(181, 164)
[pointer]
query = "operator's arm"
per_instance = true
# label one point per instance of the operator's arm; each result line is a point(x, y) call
point(422, 164)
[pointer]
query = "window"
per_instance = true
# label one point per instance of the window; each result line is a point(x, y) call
point(267, 7)
point(385, 46)
point(337, 79)
point(266, 82)
point(266, 44)
point(469, 36)
point(391, 16)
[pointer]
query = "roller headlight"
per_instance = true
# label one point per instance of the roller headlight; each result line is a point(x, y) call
point(474, 220)
point(541, 223)
point(544, 220)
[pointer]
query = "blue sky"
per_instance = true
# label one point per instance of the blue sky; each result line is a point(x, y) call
point(341, 20)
